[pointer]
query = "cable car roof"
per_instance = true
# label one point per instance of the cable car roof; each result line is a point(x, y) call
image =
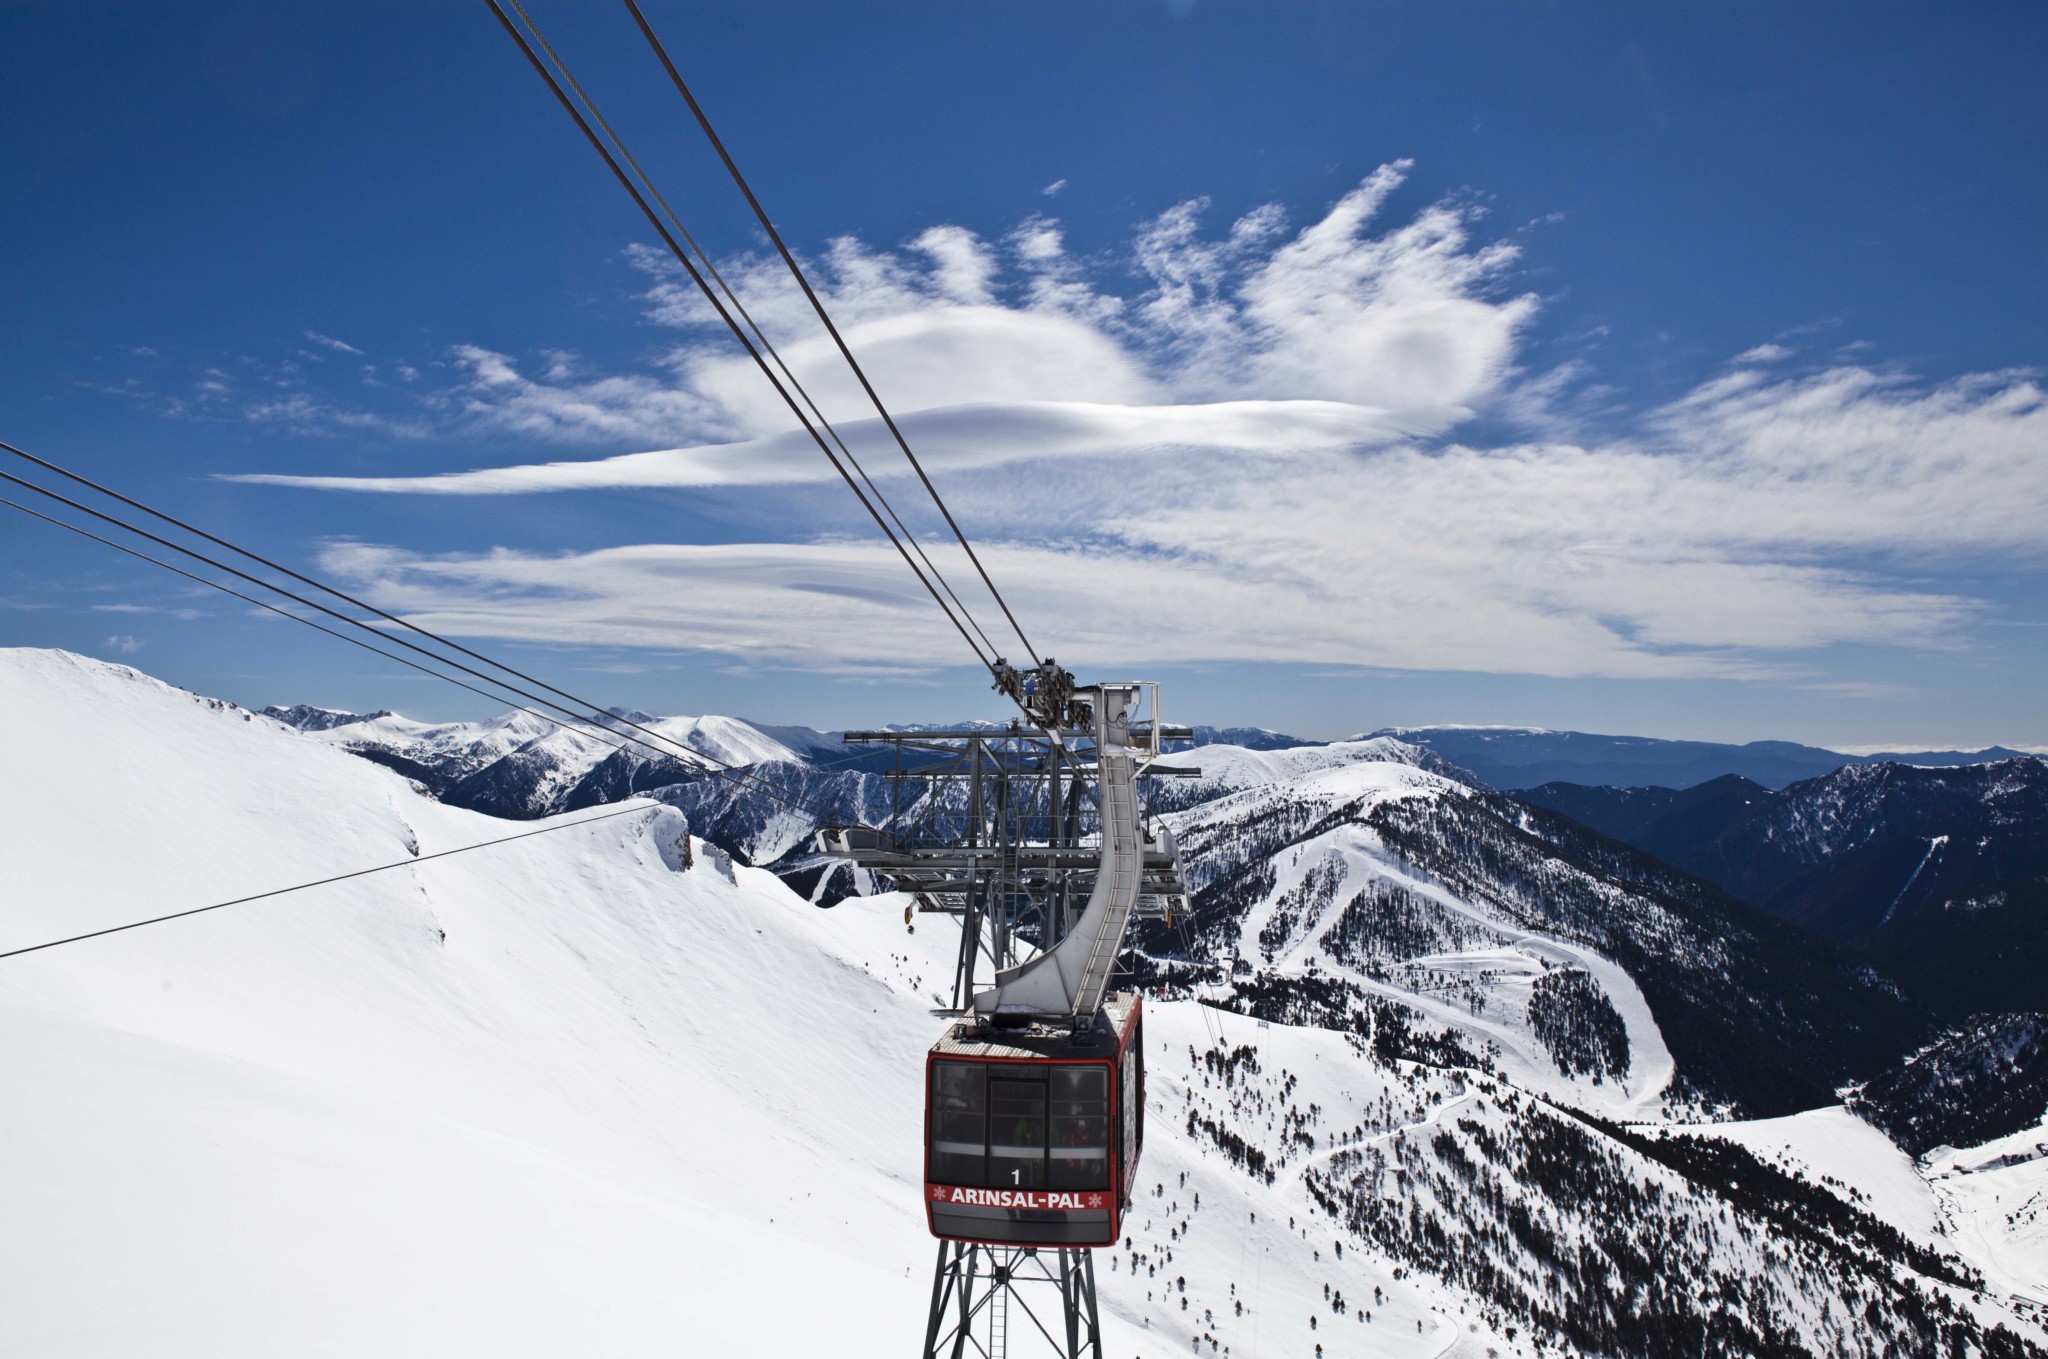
point(1042, 1041)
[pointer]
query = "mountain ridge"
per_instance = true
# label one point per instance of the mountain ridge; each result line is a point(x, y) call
point(609, 1046)
point(1939, 874)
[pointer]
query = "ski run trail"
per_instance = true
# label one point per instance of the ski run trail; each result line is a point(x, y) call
point(602, 1092)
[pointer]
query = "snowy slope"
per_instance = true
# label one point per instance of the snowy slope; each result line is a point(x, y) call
point(1380, 881)
point(1227, 768)
point(1994, 1199)
point(560, 1089)
point(1469, 969)
point(1834, 1147)
point(545, 757)
point(601, 1092)
point(567, 1096)
point(452, 750)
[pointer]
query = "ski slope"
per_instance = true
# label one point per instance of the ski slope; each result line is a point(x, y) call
point(1481, 989)
point(1994, 1200)
point(600, 1091)
point(561, 1096)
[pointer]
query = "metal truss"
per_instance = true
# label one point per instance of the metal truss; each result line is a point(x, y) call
point(1001, 839)
point(984, 1297)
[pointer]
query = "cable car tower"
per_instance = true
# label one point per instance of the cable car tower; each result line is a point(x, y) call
point(1036, 838)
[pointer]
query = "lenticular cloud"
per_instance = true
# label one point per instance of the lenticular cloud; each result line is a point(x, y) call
point(1249, 437)
point(1257, 339)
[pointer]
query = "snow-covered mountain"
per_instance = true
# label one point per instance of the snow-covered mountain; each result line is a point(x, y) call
point(522, 766)
point(605, 1091)
point(587, 1093)
point(1938, 875)
point(1358, 884)
point(1987, 1080)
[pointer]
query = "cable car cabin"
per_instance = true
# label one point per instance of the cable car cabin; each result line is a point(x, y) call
point(1032, 1135)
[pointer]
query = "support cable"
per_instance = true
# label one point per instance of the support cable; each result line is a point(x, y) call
point(710, 764)
point(283, 612)
point(298, 618)
point(761, 215)
point(322, 882)
point(682, 256)
point(583, 706)
point(260, 583)
point(753, 327)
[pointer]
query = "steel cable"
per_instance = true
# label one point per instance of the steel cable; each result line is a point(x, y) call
point(818, 306)
point(710, 764)
point(739, 309)
point(697, 277)
point(322, 882)
point(583, 704)
point(286, 613)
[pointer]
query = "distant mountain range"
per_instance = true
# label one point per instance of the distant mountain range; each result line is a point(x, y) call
point(1505, 758)
point(1509, 758)
point(1938, 875)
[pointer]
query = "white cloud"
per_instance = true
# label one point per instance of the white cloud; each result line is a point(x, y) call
point(303, 413)
point(953, 439)
point(1764, 353)
point(1714, 547)
point(123, 643)
point(1052, 190)
point(338, 346)
point(1251, 455)
point(1859, 460)
point(186, 615)
point(1403, 328)
point(560, 406)
point(851, 606)
point(1403, 318)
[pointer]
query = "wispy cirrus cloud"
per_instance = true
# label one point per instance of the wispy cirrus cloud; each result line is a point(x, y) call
point(301, 412)
point(329, 342)
point(849, 606)
point(1244, 444)
point(561, 404)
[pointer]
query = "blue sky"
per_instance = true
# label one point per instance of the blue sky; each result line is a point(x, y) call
point(1669, 370)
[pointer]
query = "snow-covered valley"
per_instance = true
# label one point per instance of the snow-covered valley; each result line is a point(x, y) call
point(607, 1091)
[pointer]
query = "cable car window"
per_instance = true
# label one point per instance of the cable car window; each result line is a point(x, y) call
point(1080, 1127)
point(1016, 1134)
point(1138, 1103)
point(1133, 1107)
point(959, 1123)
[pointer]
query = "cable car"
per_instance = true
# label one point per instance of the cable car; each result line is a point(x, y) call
point(1032, 1133)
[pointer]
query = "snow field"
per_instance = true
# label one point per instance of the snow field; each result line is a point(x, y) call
point(571, 1096)
point(1993, 1199)
point(566, 1086)
point(1841, 1152)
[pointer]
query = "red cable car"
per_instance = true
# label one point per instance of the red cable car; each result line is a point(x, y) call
point(1032, 1134)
